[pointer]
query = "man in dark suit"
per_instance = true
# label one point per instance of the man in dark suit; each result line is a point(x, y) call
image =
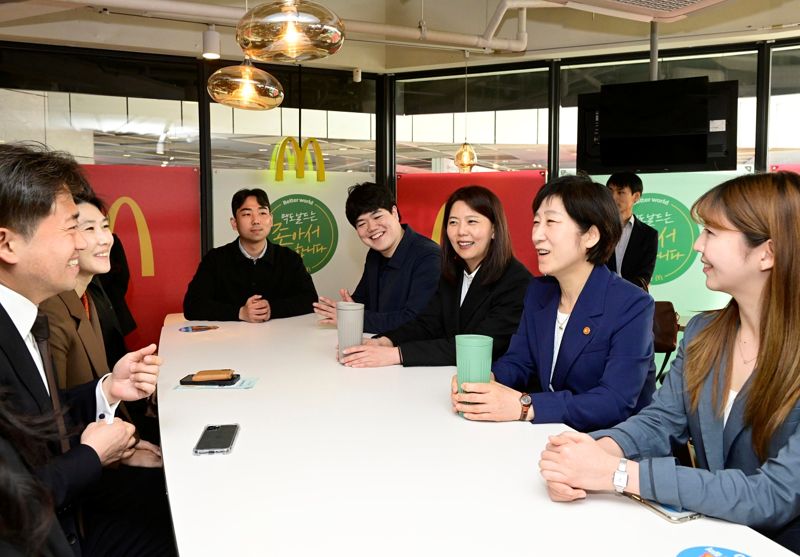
point(638, 246)
point(39, 244)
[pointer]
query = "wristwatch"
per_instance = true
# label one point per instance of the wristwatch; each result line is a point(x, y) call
point(525, 401)
point(621, 476)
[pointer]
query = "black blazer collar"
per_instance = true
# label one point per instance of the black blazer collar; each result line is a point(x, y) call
point(476, 296)
point(15, 350)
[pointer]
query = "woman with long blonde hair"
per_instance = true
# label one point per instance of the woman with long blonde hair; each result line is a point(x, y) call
point(734, 387)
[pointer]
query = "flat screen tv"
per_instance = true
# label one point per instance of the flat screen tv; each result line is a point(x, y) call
point(674, 125)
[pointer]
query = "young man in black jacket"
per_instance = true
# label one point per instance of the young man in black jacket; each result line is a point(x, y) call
point(634, 258)
point(250, 279)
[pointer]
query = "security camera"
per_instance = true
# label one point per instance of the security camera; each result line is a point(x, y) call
point(356, 75)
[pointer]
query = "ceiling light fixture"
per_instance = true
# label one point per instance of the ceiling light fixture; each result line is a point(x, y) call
point(245, 86)
point(211, 43)
point(289, 31)
point(465, 157)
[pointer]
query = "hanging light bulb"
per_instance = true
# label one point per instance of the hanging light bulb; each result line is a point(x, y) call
point(466, 158)
point(289, 31)
point(245, 86)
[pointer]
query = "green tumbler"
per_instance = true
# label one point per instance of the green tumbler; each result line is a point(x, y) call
point(473, 359)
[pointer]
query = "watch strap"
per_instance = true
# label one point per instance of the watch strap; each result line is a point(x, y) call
point(523, 415)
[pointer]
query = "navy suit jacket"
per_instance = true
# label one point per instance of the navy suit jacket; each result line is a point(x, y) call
point(67, 475)
point(409, 280)
point(605, 370)
point(639, 260)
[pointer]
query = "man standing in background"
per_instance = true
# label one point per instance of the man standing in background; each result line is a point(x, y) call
point(634, 258)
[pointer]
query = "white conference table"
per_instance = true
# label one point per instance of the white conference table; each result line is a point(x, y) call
point(362, 462)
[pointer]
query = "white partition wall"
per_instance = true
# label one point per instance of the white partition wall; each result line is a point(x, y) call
point(345, 267)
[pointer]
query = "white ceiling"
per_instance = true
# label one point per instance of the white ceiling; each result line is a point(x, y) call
point(552, 32)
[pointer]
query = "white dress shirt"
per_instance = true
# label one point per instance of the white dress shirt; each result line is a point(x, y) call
point(622, 245)
point(466, 283)
point(23, 313)
point(250, 257)
point(561, 323)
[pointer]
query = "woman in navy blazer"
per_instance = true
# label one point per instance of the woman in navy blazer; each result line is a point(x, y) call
point(733, 389)
point(583, 353)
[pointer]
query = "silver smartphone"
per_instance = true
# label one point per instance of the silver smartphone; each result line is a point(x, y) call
point(217, 439)
point(665, 511)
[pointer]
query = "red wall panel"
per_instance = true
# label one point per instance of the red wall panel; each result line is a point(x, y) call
point(422, 196)
point(167, 204)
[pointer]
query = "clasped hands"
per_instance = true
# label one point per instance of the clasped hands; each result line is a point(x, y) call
point(255, 310)
point(573, 463)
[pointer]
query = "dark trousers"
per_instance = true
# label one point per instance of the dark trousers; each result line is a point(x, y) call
point(788, 536)
point(128, 514)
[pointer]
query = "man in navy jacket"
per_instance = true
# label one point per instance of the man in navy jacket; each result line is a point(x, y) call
point(402, 268)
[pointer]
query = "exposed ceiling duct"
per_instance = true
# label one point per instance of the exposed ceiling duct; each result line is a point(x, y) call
point(637, 10)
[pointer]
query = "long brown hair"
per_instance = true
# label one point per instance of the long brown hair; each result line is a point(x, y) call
point(763, 207)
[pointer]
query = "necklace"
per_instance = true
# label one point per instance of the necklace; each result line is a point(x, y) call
point(741, 351)
point(561, 324)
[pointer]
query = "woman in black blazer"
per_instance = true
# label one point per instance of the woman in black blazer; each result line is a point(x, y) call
point(480, 291)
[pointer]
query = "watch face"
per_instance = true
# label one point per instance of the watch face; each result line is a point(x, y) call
point(620, 480)
point(525, 400)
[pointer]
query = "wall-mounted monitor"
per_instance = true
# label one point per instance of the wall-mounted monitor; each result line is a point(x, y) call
point(675, 125)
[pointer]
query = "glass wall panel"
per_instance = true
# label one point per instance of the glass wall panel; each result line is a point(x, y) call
point(505, 121)
point(784, 110)
point(339, 113)
point(132, 122)
point(579, 79)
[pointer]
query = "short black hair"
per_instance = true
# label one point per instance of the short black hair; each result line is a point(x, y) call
point(241, 196)
point(31, 177)
point(626, 179)
point(588, 204)
point(368, 197)
point(500, 254)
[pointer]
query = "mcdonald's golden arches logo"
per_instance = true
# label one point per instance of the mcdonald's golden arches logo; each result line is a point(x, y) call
point(300, 154)
point(145, 243)
point(438, 224)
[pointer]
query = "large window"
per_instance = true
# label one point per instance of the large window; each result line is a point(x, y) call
point(327, 106)
point(784, 110)
point(505, 121)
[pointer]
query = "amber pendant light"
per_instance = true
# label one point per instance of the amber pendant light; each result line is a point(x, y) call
point(245, 86)
point(289, 31)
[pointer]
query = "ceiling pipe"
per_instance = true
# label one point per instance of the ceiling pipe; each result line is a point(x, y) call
point(653, 51)
point(226, 15)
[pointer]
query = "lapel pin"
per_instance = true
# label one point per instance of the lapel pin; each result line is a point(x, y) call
point(586, 330)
